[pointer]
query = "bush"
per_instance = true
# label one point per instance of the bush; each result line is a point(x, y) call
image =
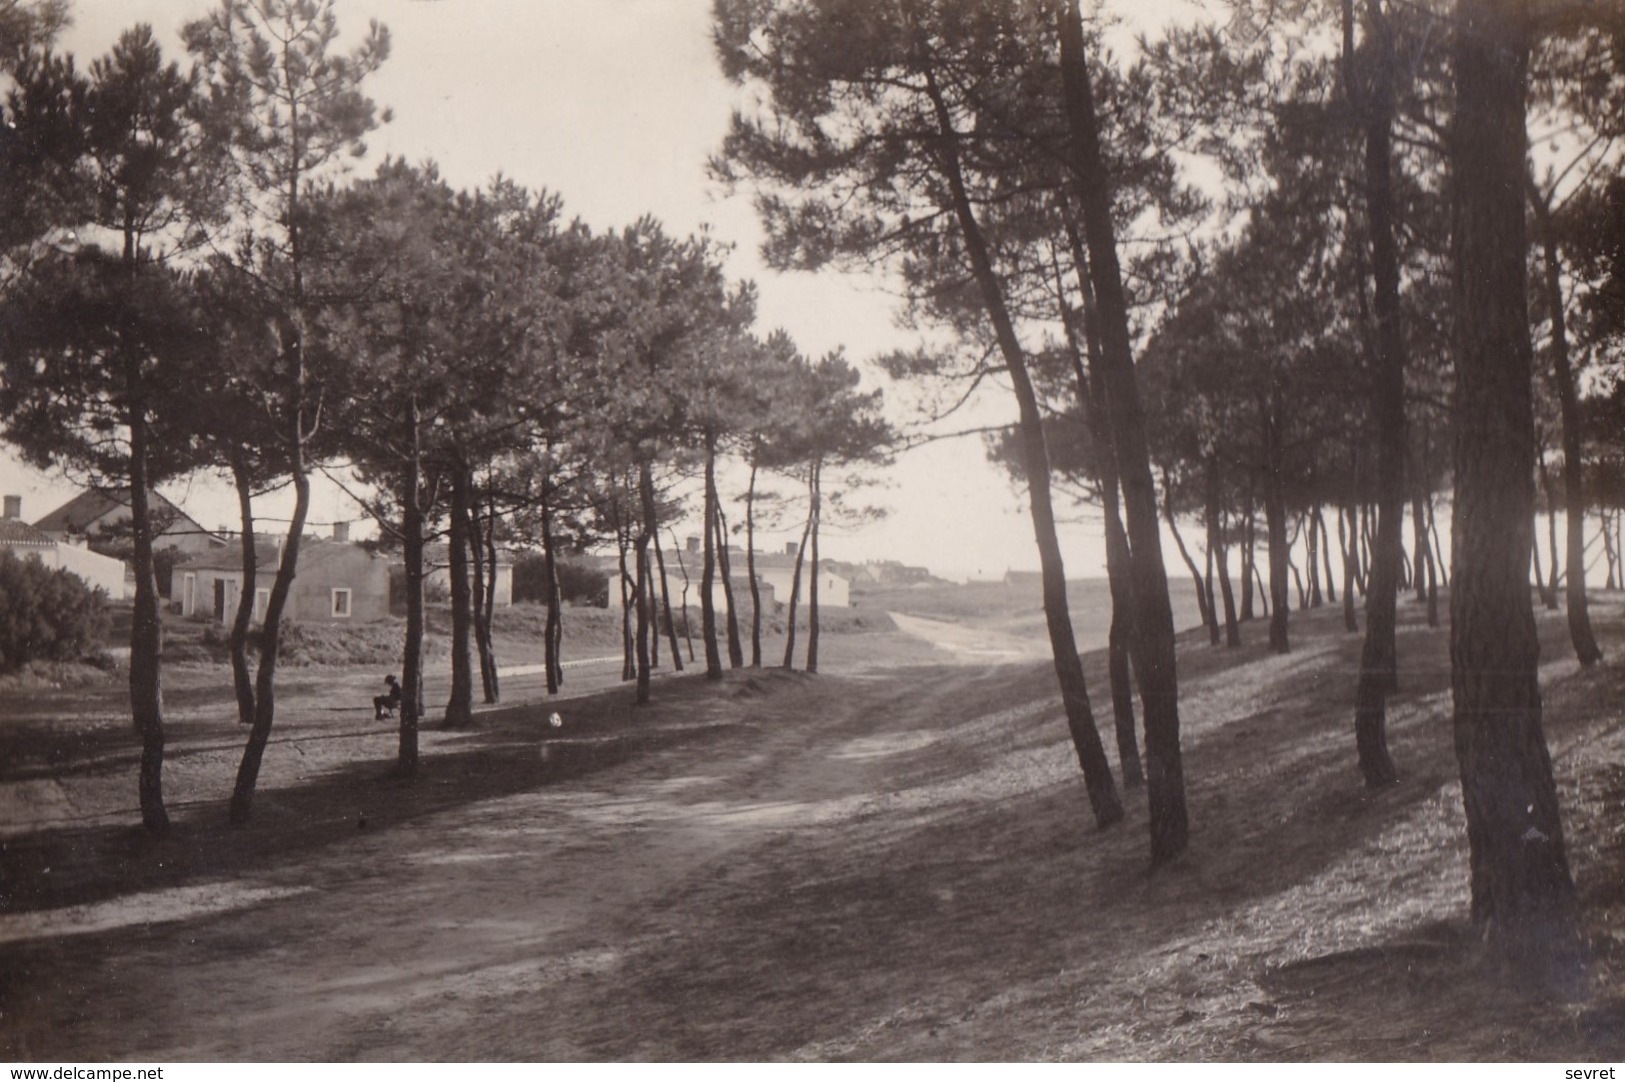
point(47, 614)
point(581, 581)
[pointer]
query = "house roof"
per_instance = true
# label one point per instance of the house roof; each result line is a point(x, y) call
point(93, 504)
point(15, 533)
point(312, 553)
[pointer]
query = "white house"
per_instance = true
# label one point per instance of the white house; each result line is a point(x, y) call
point(30, 543)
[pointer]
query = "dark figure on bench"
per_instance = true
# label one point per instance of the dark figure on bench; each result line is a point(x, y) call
point(384, 706)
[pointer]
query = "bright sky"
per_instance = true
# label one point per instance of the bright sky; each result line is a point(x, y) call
point(615, 105)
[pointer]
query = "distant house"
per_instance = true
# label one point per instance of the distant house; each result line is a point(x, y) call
point(31, 543)
point(437, 572)
point(775, 574)
point(1024, 580)
point(336, 582)
point(99, 513)
point(778, 569)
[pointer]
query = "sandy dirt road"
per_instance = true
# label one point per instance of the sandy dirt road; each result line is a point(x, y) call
point(891, 864)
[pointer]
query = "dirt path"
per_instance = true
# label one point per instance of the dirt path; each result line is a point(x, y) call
point(891, 864)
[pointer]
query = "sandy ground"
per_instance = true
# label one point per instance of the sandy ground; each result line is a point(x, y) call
point(889, 860)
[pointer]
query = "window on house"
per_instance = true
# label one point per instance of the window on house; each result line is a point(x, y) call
point(262, 601)
point(341, 603)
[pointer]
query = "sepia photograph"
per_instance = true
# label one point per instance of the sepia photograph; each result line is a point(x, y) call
point(811, 531)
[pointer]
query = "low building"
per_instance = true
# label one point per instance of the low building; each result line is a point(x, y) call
point(335, 582)
point(778, 569)
point(101, 514)
point(31, 543)
point(437, 572)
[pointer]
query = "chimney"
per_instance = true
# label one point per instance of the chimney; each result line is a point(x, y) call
point(14, 507)
point(341, 531)
point(693, 543)
point(790, 548)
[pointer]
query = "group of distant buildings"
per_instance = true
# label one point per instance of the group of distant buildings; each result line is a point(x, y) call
point(343, 581)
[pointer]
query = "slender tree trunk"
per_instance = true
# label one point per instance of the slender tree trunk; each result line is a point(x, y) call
point(553, 634)
point(1546, 598)
point(682, 569)
point(1275, 524)
point(708, 612)
point(242, 679)
point(1249, 553)
point(248, 771)
point(1325, 553)
point(1522, 893)
point(1446, 572)
point(665, 602)
point(646, 498)
point(736, 652)
point(1378, 661)
point(146, 633)
point(1351, 560)
point(1555, 571)
point(411, 709)
point(629, 664)
point(1315, 598)
point(1232, 626)
point(1154, 662)
point(1119, 572)
point(1203, 603)
point(1215, 544)
point(1097, 775)
point(812, 584)
point(1419, 543)
point(481, 572)
point(795, 585)
point(750, 571)
point(460, 704)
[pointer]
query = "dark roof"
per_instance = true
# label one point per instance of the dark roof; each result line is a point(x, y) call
point(312, 551)
point(16, 533)
point(91, 504)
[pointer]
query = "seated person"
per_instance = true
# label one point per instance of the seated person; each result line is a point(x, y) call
point(384, 705)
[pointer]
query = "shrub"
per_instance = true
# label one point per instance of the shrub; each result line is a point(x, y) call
point(581, 581)
point(46, 614)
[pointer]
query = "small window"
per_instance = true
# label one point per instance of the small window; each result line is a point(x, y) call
point(341, 604)
point(262, 601)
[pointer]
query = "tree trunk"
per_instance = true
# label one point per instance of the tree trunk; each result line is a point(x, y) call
point(646, 498)
point(553, 635)
point(1249, 553)
point(629, 664)
point(1315, 599)
point(460, 704)
point(1325, 553)
point(1097, 774)
point(750, 571)
point(1232, 626)
point(812, 584)
point(248, 771)
point(1275, 524)
point(682, 569)
point(146, 634)
point(1203, 604)
point(1546, 598)
point(1153, 633)
point(1378, 661)
point(1215, 551)
point(665, 602)
point(708, 612)
point(1554, 573)
point(736, 652)
point(482, 567)
point(1092, 397)
point(242, 679)
point(795, 585)
point(1522, 894)
point(411, 709)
